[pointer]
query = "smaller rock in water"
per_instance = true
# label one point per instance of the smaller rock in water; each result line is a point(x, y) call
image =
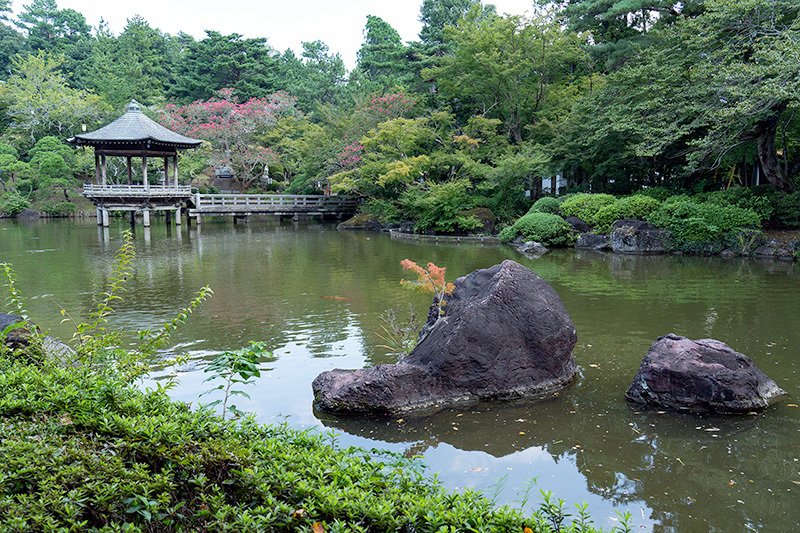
point(704, 376)
point(533, 248)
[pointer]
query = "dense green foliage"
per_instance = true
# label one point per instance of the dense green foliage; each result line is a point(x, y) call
point(485, 110)
point(586, 206)
point(636, 207)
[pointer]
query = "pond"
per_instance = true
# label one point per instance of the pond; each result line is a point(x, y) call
point(315, 295)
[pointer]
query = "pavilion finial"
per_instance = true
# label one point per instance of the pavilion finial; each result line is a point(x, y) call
point(134, 107)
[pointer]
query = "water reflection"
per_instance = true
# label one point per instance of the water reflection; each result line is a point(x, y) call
point(314, 296)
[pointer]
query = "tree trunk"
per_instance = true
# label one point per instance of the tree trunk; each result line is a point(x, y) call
point(764, 134)
point(773, 170)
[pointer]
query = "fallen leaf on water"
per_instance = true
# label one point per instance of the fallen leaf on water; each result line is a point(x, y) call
point(334, 297)
point(521, 420)
point(318, 528)
point(594, 366)
point(712, 429)
point(521, 432)
point(400, 420)
point(731, 482)
point(476, 469)
point(796, 482)
point(791, 405)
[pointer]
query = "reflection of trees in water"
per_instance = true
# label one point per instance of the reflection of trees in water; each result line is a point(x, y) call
point(683, 473)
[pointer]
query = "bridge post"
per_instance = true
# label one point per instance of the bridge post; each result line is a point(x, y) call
point(146, 217)
point(99, 216)
point(178, 216)
point(105, 217)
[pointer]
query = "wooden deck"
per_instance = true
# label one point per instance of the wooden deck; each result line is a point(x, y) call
point(152, 198)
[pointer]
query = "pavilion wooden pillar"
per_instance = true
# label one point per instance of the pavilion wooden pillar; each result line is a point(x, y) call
point(130, 170)
point(96, 167)
point(103, 168)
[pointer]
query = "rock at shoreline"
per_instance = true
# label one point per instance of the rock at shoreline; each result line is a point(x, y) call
point(592, 241)
point(638, 237)
point(27, 214)
point(578, 225)
point(364, 221)
point(703, 375)
point(505, 334)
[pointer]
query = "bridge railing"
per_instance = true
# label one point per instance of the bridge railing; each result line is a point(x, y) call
point(273, 202)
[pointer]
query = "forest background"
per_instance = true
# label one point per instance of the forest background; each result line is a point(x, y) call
point(483, 111)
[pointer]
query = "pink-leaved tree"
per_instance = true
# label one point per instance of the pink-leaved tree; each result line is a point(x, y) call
point(233, 128)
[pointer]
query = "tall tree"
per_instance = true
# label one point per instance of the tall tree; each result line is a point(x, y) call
point(619, 26)
point(50, 28)
point(136, 65)
point(725, 79)
point(382, 60)
point(319, 77)
point(225, 61)
point(43, 104)
point(506, 67)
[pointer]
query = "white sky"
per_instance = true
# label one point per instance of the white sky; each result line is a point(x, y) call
point(285, 23)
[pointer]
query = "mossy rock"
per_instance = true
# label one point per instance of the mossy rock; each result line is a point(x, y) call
point(363, 221)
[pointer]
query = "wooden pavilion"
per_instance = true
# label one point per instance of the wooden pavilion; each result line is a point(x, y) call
point(134, 135)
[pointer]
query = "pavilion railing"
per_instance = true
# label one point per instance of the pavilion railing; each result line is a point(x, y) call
point(91, 189)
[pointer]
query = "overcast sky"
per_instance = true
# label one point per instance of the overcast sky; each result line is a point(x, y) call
point(285, 23)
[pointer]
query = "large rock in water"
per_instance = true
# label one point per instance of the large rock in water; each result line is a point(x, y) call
point(505, 334)
point(704, 375)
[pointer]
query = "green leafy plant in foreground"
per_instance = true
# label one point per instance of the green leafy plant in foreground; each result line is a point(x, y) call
point(234, 367)
point(98, 350)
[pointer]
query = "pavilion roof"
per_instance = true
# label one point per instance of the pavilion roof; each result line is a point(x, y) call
point(135, 128)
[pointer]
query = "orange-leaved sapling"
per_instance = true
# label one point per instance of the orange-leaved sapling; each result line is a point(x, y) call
point(429, 279)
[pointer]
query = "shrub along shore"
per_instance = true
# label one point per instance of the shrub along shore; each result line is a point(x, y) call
point(733, 221)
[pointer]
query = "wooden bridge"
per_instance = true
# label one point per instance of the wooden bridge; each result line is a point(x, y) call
point(173, 199)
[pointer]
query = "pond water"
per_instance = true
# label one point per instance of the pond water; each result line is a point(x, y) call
point(314, 295)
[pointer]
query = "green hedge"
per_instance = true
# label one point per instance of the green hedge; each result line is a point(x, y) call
point(701, 227)
point(585, 206)
point(548, 204)
point(636, 207)
point(546, 228)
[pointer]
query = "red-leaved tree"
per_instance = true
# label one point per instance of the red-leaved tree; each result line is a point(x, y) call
point(233, 128)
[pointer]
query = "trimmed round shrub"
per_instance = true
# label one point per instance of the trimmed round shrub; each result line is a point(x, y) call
point(548, 204)
point(546, 228)
point(585, 206)
point(637, 207)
